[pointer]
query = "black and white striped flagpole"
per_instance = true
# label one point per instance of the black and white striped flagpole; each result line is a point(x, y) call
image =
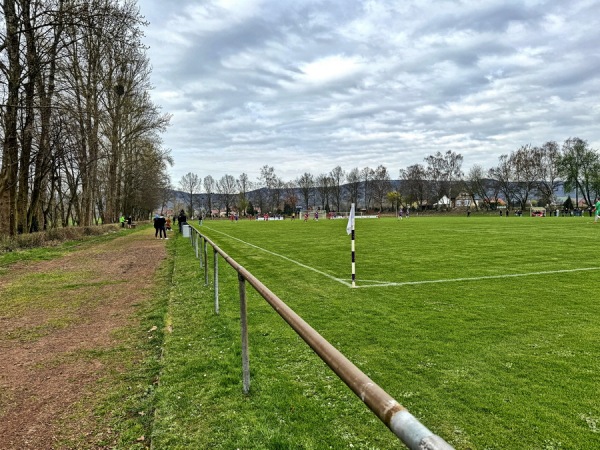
point(353, 261)
point(351, 226)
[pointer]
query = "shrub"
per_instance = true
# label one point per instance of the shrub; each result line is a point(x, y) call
point(52, 237)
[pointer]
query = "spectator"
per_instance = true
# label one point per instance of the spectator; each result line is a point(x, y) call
point(182, 219)
point(155, 220)
point(161, 222)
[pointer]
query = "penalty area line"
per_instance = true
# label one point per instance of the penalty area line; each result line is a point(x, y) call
point(490, 277)
point(331, 277)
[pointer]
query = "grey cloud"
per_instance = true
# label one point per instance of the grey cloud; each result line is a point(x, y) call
point(487, 17)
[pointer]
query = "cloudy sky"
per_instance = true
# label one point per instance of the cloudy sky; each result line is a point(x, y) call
point(307, 85)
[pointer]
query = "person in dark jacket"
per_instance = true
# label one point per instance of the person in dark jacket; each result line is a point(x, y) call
point(160, 224)
point(156, 226)
point(181, 220)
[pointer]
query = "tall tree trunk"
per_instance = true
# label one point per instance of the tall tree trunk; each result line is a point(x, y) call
point(10, 149)
point(33, 69)
point(25, 158)
point(112, 190)
point(43, 160)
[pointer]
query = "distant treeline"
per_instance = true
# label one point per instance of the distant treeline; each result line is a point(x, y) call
point(530, 175)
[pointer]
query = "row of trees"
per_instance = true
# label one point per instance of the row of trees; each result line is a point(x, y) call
point(80, 136)
point(529, 173)
point(269, 193)
point(535, 173)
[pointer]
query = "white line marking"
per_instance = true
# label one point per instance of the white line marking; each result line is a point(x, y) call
point(339, 280)
point(407, 283)
point(490, 277)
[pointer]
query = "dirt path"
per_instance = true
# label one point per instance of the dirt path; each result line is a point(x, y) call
point(46, 339)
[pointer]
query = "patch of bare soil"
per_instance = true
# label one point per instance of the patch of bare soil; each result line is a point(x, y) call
point(41, 377)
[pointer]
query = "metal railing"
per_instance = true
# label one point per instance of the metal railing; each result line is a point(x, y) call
point(395, 416)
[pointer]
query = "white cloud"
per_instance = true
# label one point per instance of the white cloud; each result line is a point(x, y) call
point(329, 69)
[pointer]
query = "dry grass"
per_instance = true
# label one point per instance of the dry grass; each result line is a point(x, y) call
point(53, 237)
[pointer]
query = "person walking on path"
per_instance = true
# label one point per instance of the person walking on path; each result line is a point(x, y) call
point(156, 226)
point(161, 222)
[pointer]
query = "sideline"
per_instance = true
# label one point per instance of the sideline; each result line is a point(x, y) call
point(331, 277)
point(377, 283)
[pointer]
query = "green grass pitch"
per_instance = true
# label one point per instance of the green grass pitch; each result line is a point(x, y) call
point(485, 328)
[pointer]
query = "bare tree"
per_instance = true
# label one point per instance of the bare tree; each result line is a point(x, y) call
point(477, 185)
point(150, 183)
point(12, 71)
point(290, 195)
point(549, 171)
point(414, 185)
point(444, 171)
point(209, 189)
point(306, 184)
point(190, 184)
point(226, 187)
point(353, 185)
point(167, 193)
point(367, 175)
point(381, 185)
point(323, 183)
point(271, 183)
point(244, 186)
point(337, 176)
point(526, 166)
point(503, 177)
point(579, 165)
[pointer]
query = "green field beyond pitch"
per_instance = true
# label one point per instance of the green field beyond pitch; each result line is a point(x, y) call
point(485, 328)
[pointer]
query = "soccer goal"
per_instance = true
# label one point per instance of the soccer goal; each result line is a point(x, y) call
point(339, 215)
point(322, 214)
point(537, 211)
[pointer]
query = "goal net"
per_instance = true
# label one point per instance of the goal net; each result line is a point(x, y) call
point(325, 215)
point(537, 211)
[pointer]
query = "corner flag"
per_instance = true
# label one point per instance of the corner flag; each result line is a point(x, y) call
point(350, 230)
point(350, 225)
